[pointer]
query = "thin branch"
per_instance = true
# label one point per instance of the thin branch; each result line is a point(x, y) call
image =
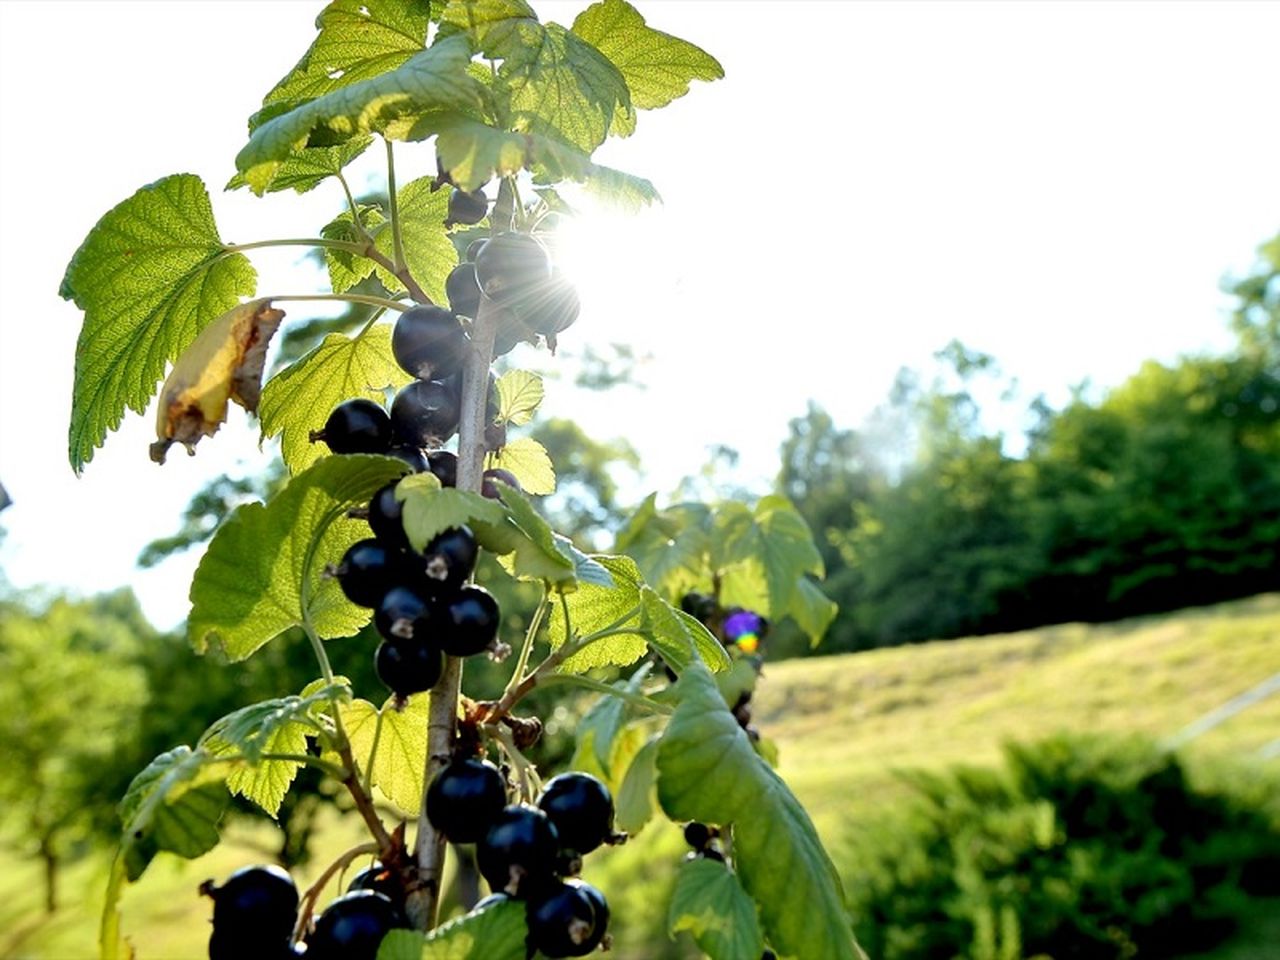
point(637, 700)
point(365, 298)
point(397, 237)
point(307, 904)
point(535, 622)
point(347, 246)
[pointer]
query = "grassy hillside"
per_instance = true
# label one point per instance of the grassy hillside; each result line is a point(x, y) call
point(843, 724)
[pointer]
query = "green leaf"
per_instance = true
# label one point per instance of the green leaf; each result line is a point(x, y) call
point(541, 554)
point(308, 168)
point(670, 546)
point(430, 509)
point(676, 635)
point(389, 103)
point(174, 804)
point(708, 771)
point(605, 719)
point(586, 569)
point(428, 252)
point(300, 398)
point(496, 933)
point(150, 276)
point(263, 571)
point(740, 678)
point(593, 607)
point(519, 393)
point(636, 797)
point(358, 40)
point(764, 556)
point(709, 902)
point(529, 461)
point(402, 747)
point(273, 726)
point(347, 269)
point(656, 66)
point(812, 610)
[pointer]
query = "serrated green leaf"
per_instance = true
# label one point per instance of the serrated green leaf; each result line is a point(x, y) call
point(358, 40)
point(708, 771)
point(308, 168)
point(740, 678)
point(676, 635)
point(430, 510)
point(636, 798)
point(496, 933)
point(592, 608)
point(390, 103)
point(709, 902)
point(586, 569)
point(656, 66)
point(529, 461)
point(764, 556)
point(299, 398)
point(519, 393)
point(428, 252)
point(541, 554)
point(402, 746)
point(151, 274)
point(347, 269)
point(174, 804)
point(263, 571)
point(812, 610)
point(670, 546)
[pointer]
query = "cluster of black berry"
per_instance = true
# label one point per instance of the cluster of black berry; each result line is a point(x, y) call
point(741, 631)
point(532, 853)
point(255, 911)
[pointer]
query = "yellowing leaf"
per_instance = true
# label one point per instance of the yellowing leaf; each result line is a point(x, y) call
point(529, 461)
point(223, 363)
point(519, 393)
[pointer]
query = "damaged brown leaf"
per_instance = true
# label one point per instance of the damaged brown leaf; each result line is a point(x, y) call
point(223, 363)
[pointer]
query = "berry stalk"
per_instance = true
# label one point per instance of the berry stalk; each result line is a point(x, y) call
point(423, 901)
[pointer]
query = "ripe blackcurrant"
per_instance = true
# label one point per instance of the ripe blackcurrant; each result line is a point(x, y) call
point(490, 489)
point(699, 606)
point(450, 559)
point(356, 426)
point(263, 897)
point(510, 265)
point(352, 927)
point(552, 307)
point(403, 613)
point(467, 208)
point(474, 248)
point(468, 623)
point(581, 809)
point(428, 343)
point(463, 290)
point(381, 880)
point(465, 799)
point(412, 455)
point(386, 518)
point(697, 835)
point(368, 570)
point(445, 467)
point(407, 667)
point(570, 920)
point(518, 853)
point(425, 413)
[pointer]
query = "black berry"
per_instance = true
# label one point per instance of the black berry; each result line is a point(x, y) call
point(428, 343)
point(468, 623)
point(467, 208)
point(368, 570)
point(260, 896)
point(699, 606)
point(518, 853)
point(407, 667)
point(511, 265)
point(352, 927)
point(444, 465)
point(412, 455)
point(697, 835)
point(552, 307)
point(450, 559)
point(489, 486)
point(386, 518)
point(474, 248)
point(403, 613)
point(381, 880)
point(425, 413)
point(356, 426)
point(463, 290)
point(465, 799)
point(570, 920)
point(581, 809)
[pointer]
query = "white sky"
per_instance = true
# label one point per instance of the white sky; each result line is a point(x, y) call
point(1062, 185)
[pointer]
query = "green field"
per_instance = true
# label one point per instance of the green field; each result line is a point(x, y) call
point(843, 725)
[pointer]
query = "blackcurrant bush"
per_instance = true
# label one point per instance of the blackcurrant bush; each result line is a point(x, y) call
point(386, 518)
point(444, 465)
point(468, 623)
point(467, 208)
point(412, 455)
point(463, 290)
point(381, 880)
point(428, 343)
point(450, 559)
point(474, 248)
point(581, 809)
point(262, 897)
point(368, 570)
point(403, 613)
point(489, 487)
point(518, 853)
point(465, 799)
point(425, 413)
point(407, 667)
point(352, 927)
point(511, 264)
point(356, 426)
point(569, 920)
